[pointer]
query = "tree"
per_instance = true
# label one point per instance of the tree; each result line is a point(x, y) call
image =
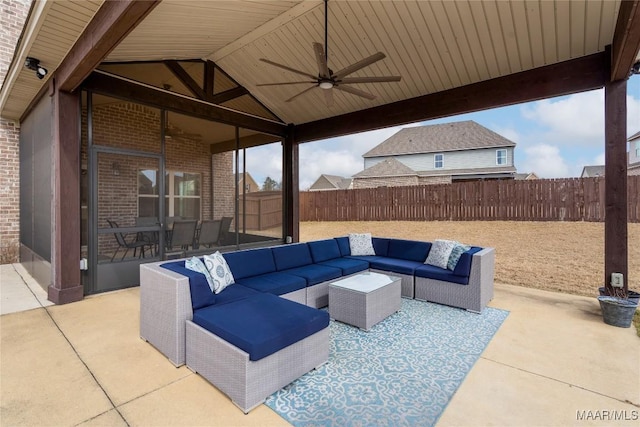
point(270, 185)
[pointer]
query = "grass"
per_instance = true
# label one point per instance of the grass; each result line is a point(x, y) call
point(636, 321)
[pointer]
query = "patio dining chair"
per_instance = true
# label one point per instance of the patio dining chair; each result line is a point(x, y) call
point(136, 244)
point(149, 236)
point(209, 233)
point(183, 234)
point(225, 223)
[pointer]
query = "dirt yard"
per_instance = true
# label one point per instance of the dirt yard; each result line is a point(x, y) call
point(555, 256)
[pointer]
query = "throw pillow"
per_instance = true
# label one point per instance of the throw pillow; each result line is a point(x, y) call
point(219, 270)
point(456, 253)
point(195, 264)
point(360, 244)
point(439, 253)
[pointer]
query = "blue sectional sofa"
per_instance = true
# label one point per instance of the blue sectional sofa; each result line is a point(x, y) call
point(268, 321)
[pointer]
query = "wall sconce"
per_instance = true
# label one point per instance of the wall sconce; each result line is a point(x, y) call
point(635, 69)
point(115, 168)
point(34, 64)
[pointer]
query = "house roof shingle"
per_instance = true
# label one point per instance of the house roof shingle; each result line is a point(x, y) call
point(336, 181)
point(455, 136)
point(592, 171)
point(388, 167)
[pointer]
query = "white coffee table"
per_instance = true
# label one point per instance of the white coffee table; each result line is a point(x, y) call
point(364, 299)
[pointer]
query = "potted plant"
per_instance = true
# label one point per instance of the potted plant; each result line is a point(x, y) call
point(617, 302)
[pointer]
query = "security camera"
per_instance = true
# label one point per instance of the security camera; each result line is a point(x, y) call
point(34, 64)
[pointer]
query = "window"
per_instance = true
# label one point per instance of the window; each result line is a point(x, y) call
point(638, 149)
point(183, 194)
point(438, 161)
point(501, 157)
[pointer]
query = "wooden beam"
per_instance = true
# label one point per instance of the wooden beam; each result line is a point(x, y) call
point(626, 39)
point(186, 79)
point(245, 142)
point(615, 173)
point(228, 95)
point(564, 78)
point(65, 284)
point(209, 77)
point(111, 85)
point(110, 25)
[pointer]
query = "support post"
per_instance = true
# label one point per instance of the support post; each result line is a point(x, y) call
point(615, 222)
point(65, 284)
point(291, 186)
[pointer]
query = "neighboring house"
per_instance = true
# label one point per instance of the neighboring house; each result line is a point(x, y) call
point(592, 171)
point(437, 154)
point(250, 185)
point(525, 176)
point(331, 182)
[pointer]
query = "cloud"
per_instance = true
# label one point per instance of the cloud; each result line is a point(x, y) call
point(546, 161)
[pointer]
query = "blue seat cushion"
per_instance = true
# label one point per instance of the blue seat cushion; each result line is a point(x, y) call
point(291, 256)
point(233, 293)
point(380, 245)
point(251, 262)
point(276, 283)
point(343, 244)
point(437, 273)
point(262, 324)
point(411, 250)
point(201, 295)
point(396, 265)
point(324, 250)
point(347, 265)
point(463, 267)
point(315, 273)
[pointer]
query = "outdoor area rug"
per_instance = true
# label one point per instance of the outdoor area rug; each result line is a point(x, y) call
point(403, 372)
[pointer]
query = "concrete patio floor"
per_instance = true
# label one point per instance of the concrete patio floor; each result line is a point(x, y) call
point(553, 362)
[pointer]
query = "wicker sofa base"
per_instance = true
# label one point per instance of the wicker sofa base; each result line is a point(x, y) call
point(299, 296)
point(472, 297)
point(407, 282)
point(248, 383)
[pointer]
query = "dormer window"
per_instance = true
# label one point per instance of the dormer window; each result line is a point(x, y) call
point(501, 157)
point(438, 161)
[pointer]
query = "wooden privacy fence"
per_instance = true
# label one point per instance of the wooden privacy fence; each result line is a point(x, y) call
point(571, 199)
point(263, 210)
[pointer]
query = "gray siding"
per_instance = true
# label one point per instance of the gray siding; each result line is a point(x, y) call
point(634, 152)
point(469, 159)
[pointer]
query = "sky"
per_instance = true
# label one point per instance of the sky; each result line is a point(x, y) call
point(555, 138)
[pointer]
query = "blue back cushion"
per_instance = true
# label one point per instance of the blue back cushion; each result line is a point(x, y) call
point(324, 250)
point(380, 246)
point(250, 263)
point(343, 244)
point(291, 256)
point(201, 295)
point(463, 268)
point(262, 324)
point(410, 250)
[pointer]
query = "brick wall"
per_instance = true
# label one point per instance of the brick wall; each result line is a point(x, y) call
point(396, 181)
point(12, 17)
point(432, 180)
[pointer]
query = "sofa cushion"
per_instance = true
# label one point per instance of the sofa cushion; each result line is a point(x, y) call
point(234, 293)
point(201, 295)
point(343, 244)
point(276, 283)
point(396, 265)
point(219, 271)
point(411, 250)
point(381, 246)
point(262, 324)
point(196, 264)
point(347, 265)
point(437, 273)
point(456, 253)
point(463, 268)
point(324, 250)
point(439, 253)
point(251, 262)
point(291, 256)
point(315, 273)
point(360, 244)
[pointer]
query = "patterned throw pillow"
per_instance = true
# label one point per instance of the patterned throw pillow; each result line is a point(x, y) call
point(195, 264)
point(456, 253)
point(219, 270)
point(439, 253)
point(360, 244)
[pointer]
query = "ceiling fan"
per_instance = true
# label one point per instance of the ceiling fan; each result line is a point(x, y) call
point(326, 78)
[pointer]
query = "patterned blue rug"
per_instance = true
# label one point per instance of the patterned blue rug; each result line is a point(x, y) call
point(403, 372)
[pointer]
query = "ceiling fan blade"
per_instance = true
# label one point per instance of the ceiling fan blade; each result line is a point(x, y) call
point(355, 91)
point(301, 93)
point(286, 83)
point(323, 69)
point(328, 97)
point(349, 80)
point(358, 65)
point(284, 67)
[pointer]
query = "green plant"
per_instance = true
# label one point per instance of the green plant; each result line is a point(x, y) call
point(636, 321)
point(9, 253)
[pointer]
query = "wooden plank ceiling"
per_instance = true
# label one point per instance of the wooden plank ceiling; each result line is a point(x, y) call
point(433, 45)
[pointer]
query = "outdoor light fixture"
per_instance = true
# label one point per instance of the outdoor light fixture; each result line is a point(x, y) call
point(34, 64)
point(326, 84)
point(636, 68)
